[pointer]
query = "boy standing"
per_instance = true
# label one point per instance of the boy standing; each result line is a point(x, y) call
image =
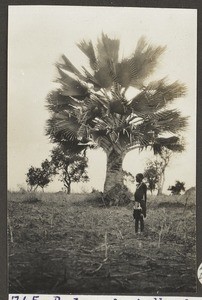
point(140, 202)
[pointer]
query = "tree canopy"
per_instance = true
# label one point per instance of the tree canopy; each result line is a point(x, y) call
point(71, 168)
point(40, 177)
point(177, 188)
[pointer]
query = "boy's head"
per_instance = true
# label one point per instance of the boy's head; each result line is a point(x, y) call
point(139, 177)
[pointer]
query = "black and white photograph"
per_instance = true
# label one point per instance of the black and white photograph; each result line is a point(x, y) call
point(102, 106)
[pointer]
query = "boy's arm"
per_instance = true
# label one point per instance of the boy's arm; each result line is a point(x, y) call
point(145, 193)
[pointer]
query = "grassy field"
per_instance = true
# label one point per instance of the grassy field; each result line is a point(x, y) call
point(70, 244)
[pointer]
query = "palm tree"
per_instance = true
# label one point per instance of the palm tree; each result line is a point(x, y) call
point(91, 108)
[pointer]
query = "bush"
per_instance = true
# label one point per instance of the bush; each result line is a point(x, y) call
point(117, 195)
point(94, 191)
point(22, 190)
point(32, 198)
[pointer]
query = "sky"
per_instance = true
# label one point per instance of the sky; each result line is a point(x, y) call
point(39, 35)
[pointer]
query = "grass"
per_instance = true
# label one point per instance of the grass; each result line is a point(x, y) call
point(62, 243)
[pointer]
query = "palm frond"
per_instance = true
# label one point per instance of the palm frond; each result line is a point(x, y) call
point(64, 125)
point(104, 76)
point(83, 132)
point(133, 71)
point(91, 79)
point(72, 87)
point(50, 128)
point(156, 95)
point(115, 106)
point(176, 147)
point(68, 66)
point(123, 73)
point(107, 58)
point(108, 49)
point(118, 103)
point(142, 135)
point(165, 93)
point(141, 46)
point(91, 113)
point(170, 121)
point(100, 99)
point(171, 143)
point(63, 130)
point(88, 50)
point(72, 147)
point(58, 102)
point(145, 63)
point(101, 124)
point(143, 103)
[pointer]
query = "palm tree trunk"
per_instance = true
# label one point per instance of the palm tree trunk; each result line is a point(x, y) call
point(114, 174)
point(67, 180)
point(161, 183)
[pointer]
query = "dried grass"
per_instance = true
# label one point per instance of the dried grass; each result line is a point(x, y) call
point(89, 248)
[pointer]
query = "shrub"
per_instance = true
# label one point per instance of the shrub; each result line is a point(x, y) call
point(117, 195)
point(31, 198)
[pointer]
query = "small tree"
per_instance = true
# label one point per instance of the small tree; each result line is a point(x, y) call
point(40, 177)
point(177, 188)
point(151, 175)
point(163, 161)
point(71, 168)
point(155, 170)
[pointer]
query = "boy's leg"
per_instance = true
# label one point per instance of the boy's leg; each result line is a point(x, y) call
point(134, 214)
point(136, 225)
point(143, 206)
point(141, 223)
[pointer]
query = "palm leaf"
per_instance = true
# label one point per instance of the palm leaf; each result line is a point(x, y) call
point(68, 66)
point(141, 46)
point(108, 49)
point(83, 131)
point(66, 125)
point(72, 87)
point(168, 143)
point(156, 95)
point(103, 101)
point(104, 76)
point(133, 71)
point(170, 121)
point(57, 102)
point(107, 60)
point(91, 79)
point(123, 73)
point(88, 50)
point(165, 93)
point(72, 147)
point(143, 103)
point(176, 147)
point(118, 104)
point(142, 135)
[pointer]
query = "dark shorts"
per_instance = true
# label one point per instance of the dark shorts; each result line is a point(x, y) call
point(137, 214)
